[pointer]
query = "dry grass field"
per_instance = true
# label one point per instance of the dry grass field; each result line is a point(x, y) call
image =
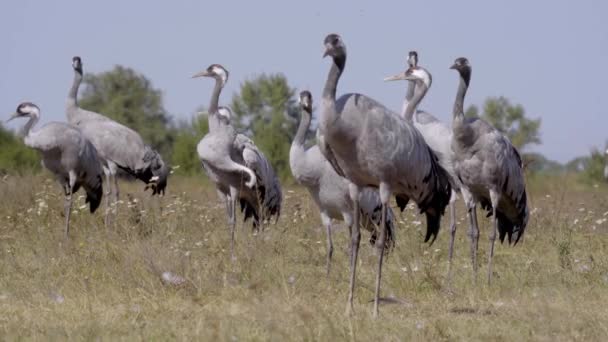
point(108, 284)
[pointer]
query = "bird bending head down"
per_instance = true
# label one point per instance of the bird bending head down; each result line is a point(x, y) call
point(156, 174)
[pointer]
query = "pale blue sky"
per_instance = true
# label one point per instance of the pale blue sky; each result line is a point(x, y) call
point(550, 56)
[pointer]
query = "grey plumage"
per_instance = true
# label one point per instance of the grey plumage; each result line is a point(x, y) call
point(437, 134)
point(491, 172)
point(373, 146)
point(232, 160)
point(268, 188)
point(119, 147)
point(68, 154)
point(330, 191)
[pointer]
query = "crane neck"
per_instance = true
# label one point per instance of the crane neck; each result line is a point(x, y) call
point(300, 137)
point(420, 91)
point(458, 111)
point(73, 94)
point(213, 118)
point(409, 94)
point(215, 96)
point(331, 85)
point(27, 128)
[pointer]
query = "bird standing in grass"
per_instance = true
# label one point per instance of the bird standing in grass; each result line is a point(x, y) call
point(371, 146)
point(330, 191)
point(119, 147)
point(239, 170)
point(490, 170)
point(437, 134)
point(68, 154)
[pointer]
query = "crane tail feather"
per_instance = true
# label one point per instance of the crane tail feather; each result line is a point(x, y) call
point(94, 195)
point(433, 221)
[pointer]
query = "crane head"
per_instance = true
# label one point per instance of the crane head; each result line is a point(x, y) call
point(156, 174)
point(77, 64)
point(216, 71)
point(305, 100)
point(463, 67)
point(412, 59)
point(417, 74)
point(24, 109)
point(334, 46)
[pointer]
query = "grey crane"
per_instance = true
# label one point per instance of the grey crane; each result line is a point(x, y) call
point(228, 158)
point(491, 173)
point(437, 134)
point(371, 146)
point(68, 154)
point(330, 191)
point(118, 146)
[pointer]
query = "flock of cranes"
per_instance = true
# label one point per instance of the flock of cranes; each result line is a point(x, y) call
point(364, 154)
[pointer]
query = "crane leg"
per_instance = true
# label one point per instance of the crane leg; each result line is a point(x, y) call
point(452, 238)
point(116, 193)
point(68, 211)
point(474, 235)
point(330, 245)
point(385, 193)
point(355, 238)
point(232, 219)
point(68, 202)
point(494, 197)
point(108, 192)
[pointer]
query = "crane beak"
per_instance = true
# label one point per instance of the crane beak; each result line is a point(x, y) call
point(400, 76)
point(201, 74)
point(327, 49)
point(13, 115)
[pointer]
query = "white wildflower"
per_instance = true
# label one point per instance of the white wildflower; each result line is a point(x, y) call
point(172, 279)
point(57, 297)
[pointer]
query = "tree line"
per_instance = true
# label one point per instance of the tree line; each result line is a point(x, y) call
point(265, 108)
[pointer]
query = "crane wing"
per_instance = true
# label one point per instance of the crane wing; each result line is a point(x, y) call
point(328, 154)
point(268, 185)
